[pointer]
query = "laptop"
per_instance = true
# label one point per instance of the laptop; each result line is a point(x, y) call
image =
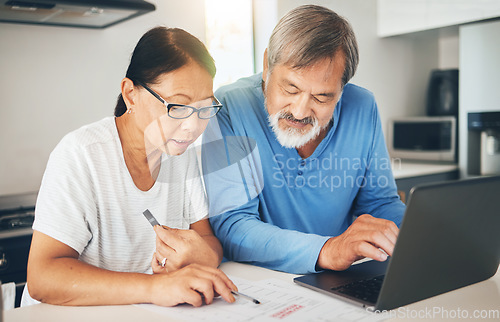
point(448, 239)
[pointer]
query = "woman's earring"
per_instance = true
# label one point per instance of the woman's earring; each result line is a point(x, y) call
point(129, 111)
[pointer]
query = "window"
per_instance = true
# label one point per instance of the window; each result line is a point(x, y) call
point(229, 27)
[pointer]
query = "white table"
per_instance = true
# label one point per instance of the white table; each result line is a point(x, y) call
point(481, 296)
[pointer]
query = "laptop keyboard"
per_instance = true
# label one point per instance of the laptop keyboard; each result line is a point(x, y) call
point(366, 290)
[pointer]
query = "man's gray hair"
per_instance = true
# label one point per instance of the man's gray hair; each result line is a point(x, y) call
point(310, 33)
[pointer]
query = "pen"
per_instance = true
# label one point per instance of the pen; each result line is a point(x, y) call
point(149, 216)
point(246, 296)
point(152, 220)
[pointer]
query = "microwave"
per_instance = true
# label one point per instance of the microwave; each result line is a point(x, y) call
point(426, 138)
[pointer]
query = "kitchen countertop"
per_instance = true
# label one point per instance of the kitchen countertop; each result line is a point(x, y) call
point(408, 169)
point(12, 233)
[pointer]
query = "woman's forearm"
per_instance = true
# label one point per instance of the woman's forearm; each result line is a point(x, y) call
point(68, 281)
point(214, 243)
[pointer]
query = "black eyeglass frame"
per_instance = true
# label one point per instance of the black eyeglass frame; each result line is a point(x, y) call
point(168, 105)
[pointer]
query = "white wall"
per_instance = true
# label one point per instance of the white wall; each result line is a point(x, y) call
point(448, 48)
point(396, 69)
point(55, 79)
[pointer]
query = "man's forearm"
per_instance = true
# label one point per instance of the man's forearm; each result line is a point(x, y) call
point(247, 239)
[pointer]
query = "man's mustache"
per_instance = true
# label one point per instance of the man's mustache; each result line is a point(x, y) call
point(290, 117)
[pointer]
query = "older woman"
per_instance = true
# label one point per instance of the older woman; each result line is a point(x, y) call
point(91, 243)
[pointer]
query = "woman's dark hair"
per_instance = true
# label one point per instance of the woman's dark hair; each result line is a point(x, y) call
point(162, 50)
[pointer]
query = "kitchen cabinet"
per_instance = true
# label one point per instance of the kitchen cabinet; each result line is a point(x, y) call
point(16, 218)
point(479, 54)
point(480, 67)
point(396, 17)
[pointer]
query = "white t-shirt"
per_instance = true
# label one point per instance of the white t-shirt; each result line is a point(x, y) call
point(88, 200)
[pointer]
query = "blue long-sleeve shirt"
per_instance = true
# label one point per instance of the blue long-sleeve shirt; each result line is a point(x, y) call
point(270, 207)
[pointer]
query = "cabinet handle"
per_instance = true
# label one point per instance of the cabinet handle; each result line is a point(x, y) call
point(3, 262)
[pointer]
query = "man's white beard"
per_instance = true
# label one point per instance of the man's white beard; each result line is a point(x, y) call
point(292, 137)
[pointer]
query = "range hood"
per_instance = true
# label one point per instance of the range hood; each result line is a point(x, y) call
point(72, 13)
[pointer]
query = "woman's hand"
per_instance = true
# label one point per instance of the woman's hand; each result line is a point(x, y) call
point(177, 248)
point(190, 285)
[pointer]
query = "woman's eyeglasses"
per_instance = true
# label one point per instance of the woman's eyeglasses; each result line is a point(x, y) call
point(180, 111)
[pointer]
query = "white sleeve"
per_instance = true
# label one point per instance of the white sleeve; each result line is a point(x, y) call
point(66, 197)
point(195, 207)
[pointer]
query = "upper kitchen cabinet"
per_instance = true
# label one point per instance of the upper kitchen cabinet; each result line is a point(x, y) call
point(396, 17)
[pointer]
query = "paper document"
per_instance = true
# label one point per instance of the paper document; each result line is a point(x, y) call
point(280, 301)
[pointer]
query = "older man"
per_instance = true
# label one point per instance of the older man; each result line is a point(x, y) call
point(301, 179)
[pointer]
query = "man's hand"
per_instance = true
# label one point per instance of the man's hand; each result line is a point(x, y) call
point(362, 239)
point(180, 248)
